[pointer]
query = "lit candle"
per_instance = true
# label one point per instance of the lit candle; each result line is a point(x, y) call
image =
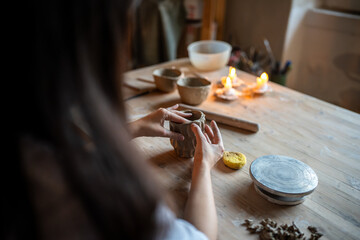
point(227, 83)
point(261, 82)
point(232, 76)
point(232, 73)
point(228, 90)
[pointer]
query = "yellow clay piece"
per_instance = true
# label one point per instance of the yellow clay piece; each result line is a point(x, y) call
point(234, 160)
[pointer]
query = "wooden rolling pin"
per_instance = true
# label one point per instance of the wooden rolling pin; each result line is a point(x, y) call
point(224, 119)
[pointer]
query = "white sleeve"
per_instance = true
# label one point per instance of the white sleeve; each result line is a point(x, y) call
point(177, 228)
point(181, 229)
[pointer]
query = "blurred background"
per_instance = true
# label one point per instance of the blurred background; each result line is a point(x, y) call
point(312, 46)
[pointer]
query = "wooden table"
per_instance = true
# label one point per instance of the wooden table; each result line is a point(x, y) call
point(322, 135)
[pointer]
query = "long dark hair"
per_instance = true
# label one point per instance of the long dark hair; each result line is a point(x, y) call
point(81, 52)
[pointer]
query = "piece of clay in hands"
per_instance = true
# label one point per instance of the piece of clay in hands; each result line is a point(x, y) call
point(186, 148)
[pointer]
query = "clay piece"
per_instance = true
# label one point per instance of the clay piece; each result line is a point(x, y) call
point(186, 148)
point(268, 229)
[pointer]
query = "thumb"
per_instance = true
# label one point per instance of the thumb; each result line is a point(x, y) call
point(198, 133)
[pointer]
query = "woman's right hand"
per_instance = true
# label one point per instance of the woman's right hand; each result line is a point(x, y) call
point(209, 145)
point(200, 207)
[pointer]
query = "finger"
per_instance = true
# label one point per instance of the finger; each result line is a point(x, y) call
point(210, 133)
point(217, 135)
point(207, 138)
point(173, 117)
point(173, 107)
point(183, 114)
point(198, 133)
point(174, 135)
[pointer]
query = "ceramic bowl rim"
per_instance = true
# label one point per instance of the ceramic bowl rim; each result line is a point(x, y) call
point(168, 77)
point(185, 86)
point(192, 45)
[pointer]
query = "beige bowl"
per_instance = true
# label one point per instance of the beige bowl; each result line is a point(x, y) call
point(165, 78)
point(193, 90)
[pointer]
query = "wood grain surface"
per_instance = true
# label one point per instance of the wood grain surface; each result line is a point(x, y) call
point(322, 135)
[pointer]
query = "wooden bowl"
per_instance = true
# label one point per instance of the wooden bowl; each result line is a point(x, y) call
point(166, 78)
point(193, 90)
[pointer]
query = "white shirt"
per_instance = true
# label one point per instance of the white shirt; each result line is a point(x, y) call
point(178, 228)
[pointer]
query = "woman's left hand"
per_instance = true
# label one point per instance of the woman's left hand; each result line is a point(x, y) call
point(152, 125)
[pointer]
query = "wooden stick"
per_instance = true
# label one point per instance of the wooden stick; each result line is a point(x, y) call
point(128, 85)
point(136, 88)
point(224, 119)
point(146, 80)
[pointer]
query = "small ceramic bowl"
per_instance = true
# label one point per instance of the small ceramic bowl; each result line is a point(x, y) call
point(165, 78)
point(193, 90)
point(209, 55)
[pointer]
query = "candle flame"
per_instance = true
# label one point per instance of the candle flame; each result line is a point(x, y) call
point(228, 84)
point(232, 73)
point(232, 76)
point(264, 78)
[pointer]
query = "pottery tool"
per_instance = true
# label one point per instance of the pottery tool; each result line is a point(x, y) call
point(140, 90)
point(130, 83)
point(138, 95)
point(146, 80)
point(225, 119)
point(271, 55)
point(131, 86)
point(282, 180)
point(286, 67)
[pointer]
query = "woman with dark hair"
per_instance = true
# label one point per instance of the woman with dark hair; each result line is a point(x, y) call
point(72, 187)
